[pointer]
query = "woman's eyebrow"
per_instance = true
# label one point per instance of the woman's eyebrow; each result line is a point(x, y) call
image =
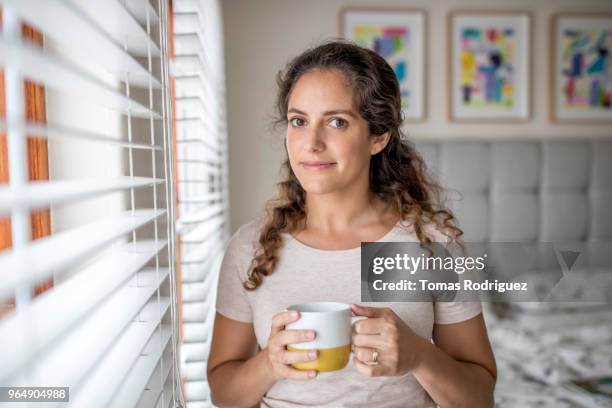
point(326, 113)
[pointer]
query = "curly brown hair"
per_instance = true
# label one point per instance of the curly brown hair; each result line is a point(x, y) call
point(398, 174)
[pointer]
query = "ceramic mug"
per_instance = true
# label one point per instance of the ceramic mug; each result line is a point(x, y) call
point(332, 323)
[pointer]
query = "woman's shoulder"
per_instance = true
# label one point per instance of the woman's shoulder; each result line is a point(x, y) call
point(247, 232)
point(245, 238)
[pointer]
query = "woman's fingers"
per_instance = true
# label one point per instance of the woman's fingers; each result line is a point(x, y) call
point(366, 354)
point(279, 320)
point(369, 340)
point(373, 325)
point(293, 357)
point(293, 374)
point(288, 337)
point(281, 358)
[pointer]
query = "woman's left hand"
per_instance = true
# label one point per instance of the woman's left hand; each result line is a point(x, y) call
point(383, 344)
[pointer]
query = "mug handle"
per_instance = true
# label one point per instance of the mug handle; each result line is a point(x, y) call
point(355, 319)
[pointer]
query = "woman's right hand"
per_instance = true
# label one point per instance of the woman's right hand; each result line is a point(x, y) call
point(279, 358)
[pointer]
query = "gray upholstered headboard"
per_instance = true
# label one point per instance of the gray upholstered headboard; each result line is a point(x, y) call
point(528, 191)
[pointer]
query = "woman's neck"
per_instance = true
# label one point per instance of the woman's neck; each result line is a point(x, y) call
point(332, 213)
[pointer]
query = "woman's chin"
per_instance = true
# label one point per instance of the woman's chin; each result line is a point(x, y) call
point(318, 188)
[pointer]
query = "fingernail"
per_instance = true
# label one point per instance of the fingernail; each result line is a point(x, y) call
point(310, 335)
point(294, 314)
point(312, 354)
point(312, 374)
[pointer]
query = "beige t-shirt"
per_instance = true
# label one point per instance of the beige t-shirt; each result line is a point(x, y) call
point(306, 274)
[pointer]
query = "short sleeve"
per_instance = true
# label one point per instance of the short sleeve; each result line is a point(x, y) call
point(232, 299)
point(455, 312)
point(458, 311)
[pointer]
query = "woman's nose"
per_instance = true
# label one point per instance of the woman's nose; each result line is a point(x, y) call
point(314, 140)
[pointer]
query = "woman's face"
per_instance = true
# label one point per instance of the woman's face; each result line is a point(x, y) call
point(328, 141)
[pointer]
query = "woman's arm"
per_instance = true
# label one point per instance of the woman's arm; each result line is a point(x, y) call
point(459, 369)
point(240, 376)
point(237, 374)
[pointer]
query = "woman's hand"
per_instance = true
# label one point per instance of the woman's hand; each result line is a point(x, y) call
point(279, 359)
point(384, 342)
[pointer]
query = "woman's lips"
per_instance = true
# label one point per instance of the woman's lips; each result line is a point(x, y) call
point(317, 165)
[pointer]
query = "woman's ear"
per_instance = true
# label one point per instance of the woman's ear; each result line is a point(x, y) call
point(379, 142)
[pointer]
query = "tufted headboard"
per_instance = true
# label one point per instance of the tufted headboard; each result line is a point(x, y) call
point(529, 191)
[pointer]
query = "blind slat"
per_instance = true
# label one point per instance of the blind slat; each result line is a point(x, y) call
point(194, 80)
point(194, 312)
point(128, 394)
point(201, 198)
point(197, 332)
point(57, 131)
point(193, 352)
point(113, 18)
point(200, 404)
point(205, 251)
point(188, 124)
point(139, 9)
point(200, 291)
point(202, 271)
point(40, 194)
point(42, 258)
point(203, 232)
point(77, 297)
point(187, 6)
point(212, 151)
point(42, 67)
point(203, 215)
point(60, 22)
point(194, 370)
point(197, 391)
point(152, 394)
point(197, 292)
point(205, 167)
point(90, 340)
point(114, 367)
point(188, 22)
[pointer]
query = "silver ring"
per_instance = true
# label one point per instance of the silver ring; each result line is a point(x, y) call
point(375, 356)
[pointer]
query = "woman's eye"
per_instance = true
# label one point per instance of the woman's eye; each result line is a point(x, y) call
point(340, 123)
point(296, 122)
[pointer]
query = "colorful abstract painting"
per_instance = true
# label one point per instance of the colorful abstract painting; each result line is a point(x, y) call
point(391, 43)
point(489, 66)
point(584, 68)
point(397, 37)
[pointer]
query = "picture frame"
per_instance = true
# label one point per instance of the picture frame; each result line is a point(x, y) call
point(580, 68)
point(489, 67)
point(398, 35)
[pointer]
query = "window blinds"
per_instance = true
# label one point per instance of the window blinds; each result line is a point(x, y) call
point(107, 328)
point(202, 179)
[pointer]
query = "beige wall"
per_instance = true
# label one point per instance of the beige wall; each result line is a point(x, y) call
point(262, 35)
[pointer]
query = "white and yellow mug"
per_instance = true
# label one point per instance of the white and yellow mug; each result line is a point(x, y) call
point(332, 323)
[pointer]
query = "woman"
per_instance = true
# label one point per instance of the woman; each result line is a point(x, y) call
point(351, 178)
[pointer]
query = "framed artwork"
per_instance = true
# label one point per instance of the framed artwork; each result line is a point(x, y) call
point(398, 35)
point(581, 69)
point(489, 67)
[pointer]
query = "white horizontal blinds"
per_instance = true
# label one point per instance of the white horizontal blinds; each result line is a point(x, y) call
point(107, 329)
point(202, 179)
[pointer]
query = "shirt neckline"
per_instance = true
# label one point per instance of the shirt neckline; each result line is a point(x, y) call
point(303, 246)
